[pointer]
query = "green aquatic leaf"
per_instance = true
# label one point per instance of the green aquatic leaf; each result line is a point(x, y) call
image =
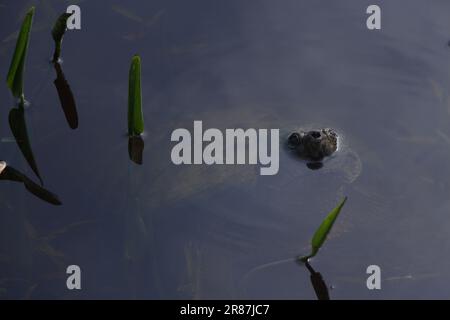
point(323, 230)
point(15, 73)
point(58, 32)
point(135, 117)
point(60, 26)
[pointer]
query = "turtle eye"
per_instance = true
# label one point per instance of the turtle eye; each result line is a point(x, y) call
point(294, 140)
point(315, 134)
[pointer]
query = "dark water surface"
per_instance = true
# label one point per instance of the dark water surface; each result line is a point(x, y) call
point(165, 231)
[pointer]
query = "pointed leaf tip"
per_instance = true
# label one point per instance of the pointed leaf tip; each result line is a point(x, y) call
point(322, 232)
point(15, 73)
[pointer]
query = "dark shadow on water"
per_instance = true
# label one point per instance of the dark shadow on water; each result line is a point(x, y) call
point(135, 148)
point(19, 130)
point(319, 285)
point(314, 165)
point(66, 97)
point(11, 174)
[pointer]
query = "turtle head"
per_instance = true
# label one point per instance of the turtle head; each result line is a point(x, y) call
point(314, 144)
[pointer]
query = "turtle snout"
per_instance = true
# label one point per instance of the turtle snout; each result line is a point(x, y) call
point(317, 135)
point(315, 144)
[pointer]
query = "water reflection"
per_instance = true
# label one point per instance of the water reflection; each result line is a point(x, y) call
point(9, 173)
point(319, 285)
point(19, 130)
point(135, 148)
point(314, 165)
point(66, 97)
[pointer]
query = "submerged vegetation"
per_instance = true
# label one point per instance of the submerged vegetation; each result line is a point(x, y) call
point(322, 232)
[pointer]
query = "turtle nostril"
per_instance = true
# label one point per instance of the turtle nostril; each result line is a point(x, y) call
point(315, 134)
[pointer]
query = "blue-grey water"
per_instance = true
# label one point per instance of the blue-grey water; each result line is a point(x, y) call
point(206, 232)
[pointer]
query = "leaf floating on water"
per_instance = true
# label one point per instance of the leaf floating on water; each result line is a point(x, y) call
point(60, 27)
point(324, 229)
point(58, 32)
point(15, 73)
point(19, 130)
point(135, 116)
